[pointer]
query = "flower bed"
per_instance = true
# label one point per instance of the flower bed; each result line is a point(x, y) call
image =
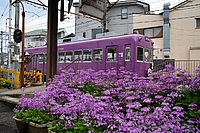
point(89, 101)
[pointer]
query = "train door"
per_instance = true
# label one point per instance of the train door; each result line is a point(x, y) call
point(111, 57)
point(139, 69)
point(127, 57)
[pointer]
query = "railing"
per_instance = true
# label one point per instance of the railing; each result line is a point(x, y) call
point(71, 63)
point(189, 65)
point(10, 76)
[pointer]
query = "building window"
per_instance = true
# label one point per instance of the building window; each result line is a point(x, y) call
point(197, 22)
point(95, 32)
point(124, 14)
point(84, 34)
point(138, 31)
point(153, 32)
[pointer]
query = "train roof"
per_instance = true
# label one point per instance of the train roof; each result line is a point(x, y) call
point(94, 40)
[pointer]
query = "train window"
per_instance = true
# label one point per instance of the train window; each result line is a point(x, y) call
point(61, 57)
point(78, 54)
point(151, 55)
point(87, 55)
point(41, 58)
point(97, 55)
point(68, 56)
point(111, 54)
point(139, 53)
point(35, 58)
point(146, 55)
point(127, 54)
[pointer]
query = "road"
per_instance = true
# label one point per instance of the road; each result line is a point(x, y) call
point(7, 124)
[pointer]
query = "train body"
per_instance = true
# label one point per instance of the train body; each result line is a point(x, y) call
point(134, 52)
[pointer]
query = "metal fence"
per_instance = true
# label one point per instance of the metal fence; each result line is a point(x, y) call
point(189, 65)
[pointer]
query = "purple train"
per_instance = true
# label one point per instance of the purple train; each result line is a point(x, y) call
point(134, 52)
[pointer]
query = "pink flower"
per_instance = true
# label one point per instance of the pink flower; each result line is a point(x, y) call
point(23, 89)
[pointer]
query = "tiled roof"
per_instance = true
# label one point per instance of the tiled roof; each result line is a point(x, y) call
point(36, 32)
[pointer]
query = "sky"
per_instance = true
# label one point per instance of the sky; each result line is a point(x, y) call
point(36, 16)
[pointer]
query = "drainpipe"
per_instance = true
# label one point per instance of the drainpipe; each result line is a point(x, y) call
point(166, 27)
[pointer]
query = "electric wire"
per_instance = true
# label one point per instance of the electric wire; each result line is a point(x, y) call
point(4, 11)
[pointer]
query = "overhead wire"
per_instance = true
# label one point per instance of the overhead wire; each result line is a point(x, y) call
point(43, 5)
point(4, 11)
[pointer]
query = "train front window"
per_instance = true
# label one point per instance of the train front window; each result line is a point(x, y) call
point(77, 55)
point(87, 55)
point(139, 53)
point(111, 54)
point(127, 54)
point(61, 57)
point(97, 55)
point(146, 55)
point(68, 56)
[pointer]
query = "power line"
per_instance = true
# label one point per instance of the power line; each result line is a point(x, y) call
point(4, 11)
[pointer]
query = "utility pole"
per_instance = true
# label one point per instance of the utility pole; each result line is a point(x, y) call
point(52, 38)
point(104, 16)
point(16, 47)
point(1, 47)
point(9, 36)
point(17, 15)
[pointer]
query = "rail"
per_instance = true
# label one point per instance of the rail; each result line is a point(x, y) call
point(189, 65)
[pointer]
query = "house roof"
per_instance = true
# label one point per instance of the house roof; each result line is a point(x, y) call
point(132, 2)
point(178, 6)
point(37, 32)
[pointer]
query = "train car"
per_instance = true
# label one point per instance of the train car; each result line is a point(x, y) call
point(134, 52)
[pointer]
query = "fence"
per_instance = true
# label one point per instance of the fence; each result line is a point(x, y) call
point(189, 65)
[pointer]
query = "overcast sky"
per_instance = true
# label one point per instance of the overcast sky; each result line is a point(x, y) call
point(36, 17)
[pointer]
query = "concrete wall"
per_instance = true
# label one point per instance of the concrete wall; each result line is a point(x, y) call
point(183, 31)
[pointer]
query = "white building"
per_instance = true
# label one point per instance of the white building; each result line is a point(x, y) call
point(38, 37)
point(119, 19)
